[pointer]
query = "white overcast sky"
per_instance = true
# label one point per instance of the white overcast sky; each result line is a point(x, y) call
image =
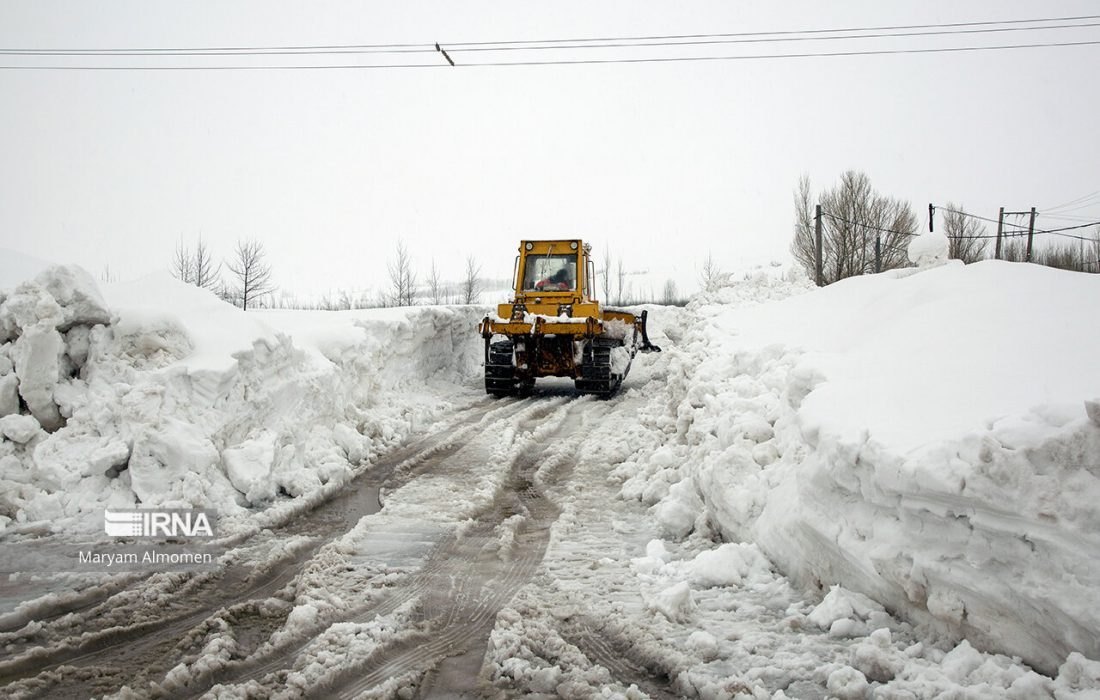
point(661, 162)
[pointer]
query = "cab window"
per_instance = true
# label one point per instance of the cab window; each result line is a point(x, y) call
point(550, 273)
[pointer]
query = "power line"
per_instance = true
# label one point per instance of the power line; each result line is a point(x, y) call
point(873, 228)
point(259, 51)
point(1066, 217)
point(768, 40)
point(460, 44)
point(942, 25)
point(674, 59)
point(1073, 202)
point(1058, 231)
point(964, 213)
point(1088, 204)
point(551, 45)
point(1055, 231)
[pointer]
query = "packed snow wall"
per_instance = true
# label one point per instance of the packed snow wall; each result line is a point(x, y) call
point(931, 440)
point(158, 393)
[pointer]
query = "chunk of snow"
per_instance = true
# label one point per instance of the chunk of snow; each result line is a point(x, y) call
point(847, 683)
point(19, 428)
point(678, 510)
point(1092, 410)
point(656, 549)
point(248, 466)
point(876, 658)
point(9, 394)
point(704, 644)
point(76, 293)
point(675, 602)
point(165, 455)
point(842, 604)
point(1079, 674)
point(728, 565)
point(36, 356)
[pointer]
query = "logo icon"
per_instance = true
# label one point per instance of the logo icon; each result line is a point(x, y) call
point(144, 522)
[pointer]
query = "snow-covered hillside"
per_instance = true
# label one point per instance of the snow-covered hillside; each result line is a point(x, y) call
point(888, 486)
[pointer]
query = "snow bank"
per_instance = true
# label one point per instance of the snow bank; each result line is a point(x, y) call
point(922, 439)
point(162, 394)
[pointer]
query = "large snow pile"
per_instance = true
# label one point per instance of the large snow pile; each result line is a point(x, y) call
point(931, 440)
point(158, 393)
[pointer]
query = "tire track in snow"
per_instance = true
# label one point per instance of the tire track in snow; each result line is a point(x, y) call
point(616, 657)
point(117, 637)
point(269, 661)
point(465, 581)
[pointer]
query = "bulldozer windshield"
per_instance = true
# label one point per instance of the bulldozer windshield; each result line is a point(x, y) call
point(550, 273)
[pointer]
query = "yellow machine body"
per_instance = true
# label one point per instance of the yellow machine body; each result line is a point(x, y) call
point(554, 325)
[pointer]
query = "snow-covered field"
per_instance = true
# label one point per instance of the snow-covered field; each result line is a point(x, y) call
point(886, 487)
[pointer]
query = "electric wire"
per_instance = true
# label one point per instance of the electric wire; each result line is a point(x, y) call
point(625, 43)
point(901, 27)
point(768, 40)
point(527, 42)
point(1073, 202)
point(564, 62)
point(873, 228)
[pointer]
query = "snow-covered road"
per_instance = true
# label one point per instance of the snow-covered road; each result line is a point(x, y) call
point(683, 539)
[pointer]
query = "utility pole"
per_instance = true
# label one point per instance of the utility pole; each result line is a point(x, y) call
point(931, 216)
point(1030, 233)
point(1000, 228)
point(878, 251)
point(817, 246)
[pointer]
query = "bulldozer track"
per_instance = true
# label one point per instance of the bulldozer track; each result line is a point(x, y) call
point(616, 656)
point(476, 582)
point(55, 659)
point(462, 584)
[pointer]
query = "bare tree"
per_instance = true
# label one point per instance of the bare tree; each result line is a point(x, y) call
point(402, 278)
point(607, 275)
point(347, 301)
point(1014, 249)
point(1080, 256)
point(669, 295)
point(252, 272)
point(471, 283)
point(804, 246)
point(620, 278)
point(204, 272)
point(962, 233)
point(1092, 253)
point(711, 277)
point(107, 275)
point(855, 216)
point(183, 265)
point(435, 285)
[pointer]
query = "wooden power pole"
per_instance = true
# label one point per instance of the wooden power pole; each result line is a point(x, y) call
point(1030, 233)
point(817, 246)
point(1000, 229)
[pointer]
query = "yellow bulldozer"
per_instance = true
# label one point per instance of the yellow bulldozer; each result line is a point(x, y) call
point(555, 327)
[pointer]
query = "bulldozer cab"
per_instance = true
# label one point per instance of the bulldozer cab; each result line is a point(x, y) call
point(558, 268)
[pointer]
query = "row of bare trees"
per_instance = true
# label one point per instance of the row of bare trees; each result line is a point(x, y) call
point(250, 284)
point(856, 219)
point(617, 289)
point(864, 231)
point(249, 270)
point(404, 289)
